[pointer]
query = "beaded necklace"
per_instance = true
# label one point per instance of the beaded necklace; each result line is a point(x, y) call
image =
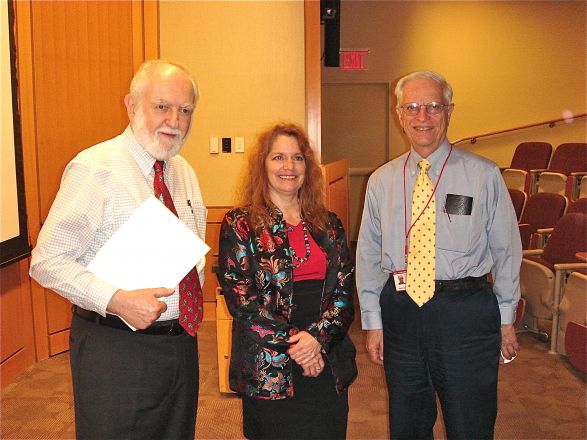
point(296, 260)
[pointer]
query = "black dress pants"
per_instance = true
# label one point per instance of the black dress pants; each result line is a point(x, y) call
point(450, 347)
point(129, 385)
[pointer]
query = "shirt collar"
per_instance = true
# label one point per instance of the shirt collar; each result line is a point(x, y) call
point(436, 159)
point(143, 159)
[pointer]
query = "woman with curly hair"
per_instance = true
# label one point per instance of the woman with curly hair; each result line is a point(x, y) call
point(286, 274)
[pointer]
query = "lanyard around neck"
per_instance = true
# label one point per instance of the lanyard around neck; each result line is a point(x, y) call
point(406, 229)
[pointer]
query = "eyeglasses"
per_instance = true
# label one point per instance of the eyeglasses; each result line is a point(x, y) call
point(432, 108)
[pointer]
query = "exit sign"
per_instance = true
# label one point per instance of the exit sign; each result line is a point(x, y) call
point(354, 59)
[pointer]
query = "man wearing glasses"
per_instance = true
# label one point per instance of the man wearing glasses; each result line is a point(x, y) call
point(436, 221)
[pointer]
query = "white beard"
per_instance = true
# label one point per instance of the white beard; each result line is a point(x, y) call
point(151, 143)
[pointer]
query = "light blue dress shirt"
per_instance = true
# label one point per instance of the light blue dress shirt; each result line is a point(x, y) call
point(487, 240)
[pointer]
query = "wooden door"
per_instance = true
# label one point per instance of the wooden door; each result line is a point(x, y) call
point(336, 190)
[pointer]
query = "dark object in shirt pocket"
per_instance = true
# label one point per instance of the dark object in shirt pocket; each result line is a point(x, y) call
point(458, 205)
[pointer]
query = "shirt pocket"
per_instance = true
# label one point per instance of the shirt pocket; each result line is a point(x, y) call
point(187, 215)
point(453, 232)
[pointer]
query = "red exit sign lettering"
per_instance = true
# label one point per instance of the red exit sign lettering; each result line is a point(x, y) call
point(354, 59)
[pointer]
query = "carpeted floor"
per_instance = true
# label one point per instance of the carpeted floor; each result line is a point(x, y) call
point(540, 397)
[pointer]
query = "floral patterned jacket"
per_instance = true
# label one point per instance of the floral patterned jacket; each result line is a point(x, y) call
point(256, 276)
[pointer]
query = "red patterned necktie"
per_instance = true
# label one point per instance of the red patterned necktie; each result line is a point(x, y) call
point(190, 290)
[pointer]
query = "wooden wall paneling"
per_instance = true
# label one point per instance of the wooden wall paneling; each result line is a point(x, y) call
point(27, 308)
point(28, 134)
point(59, 341)
point(138, 37)
point(145, 24)
point(52, 62)
point(82, 49)
point(11, 339)
point(336, 181)
point(17, 343)
point(85, 69)
point(151, 28)
point(312, 69)
point(215, 216)
point(71, 95)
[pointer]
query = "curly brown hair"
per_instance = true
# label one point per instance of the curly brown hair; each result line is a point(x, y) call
point(255, 194)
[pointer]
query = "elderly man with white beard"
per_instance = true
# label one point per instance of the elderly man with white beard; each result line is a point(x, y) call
point(144, 383)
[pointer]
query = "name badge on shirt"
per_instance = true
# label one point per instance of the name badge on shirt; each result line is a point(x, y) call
point(399, 278)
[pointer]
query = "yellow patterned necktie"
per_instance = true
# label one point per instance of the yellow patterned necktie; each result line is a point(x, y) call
point(421, 257)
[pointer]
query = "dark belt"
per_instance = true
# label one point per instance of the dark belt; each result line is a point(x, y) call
point(467, 283)
point(170, 328)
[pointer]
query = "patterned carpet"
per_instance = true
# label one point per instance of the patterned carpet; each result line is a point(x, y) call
point(540, 397)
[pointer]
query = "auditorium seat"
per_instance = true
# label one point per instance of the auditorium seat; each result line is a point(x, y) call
point(575, 343)
point(520, 312)
point(541, 212)
point(518, 200)
point(583, 187)
point(579, 205)
point(566, 169)
point(528, 156)
point(540, 282)
point(573, 307)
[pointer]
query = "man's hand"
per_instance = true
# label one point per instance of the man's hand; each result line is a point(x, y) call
point(304, 348)
point(374, 345)
point(509, 342)
point(140, 308)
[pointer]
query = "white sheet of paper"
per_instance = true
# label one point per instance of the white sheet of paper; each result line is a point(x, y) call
point(153, 248)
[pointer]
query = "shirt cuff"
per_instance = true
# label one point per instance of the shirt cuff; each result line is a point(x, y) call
point(371, 320)
point(100, 293)
point(508, 314)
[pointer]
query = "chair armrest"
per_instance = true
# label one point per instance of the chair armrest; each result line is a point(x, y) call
point(540, 236)
point(569, 267)
point(532, 252)
point(538, 170)
point(553, 173)
point(578, 173)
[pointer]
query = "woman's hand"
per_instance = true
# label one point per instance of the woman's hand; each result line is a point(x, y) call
point(314, 367)
point(304, 347)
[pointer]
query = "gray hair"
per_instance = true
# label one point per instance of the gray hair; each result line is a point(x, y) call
point(428, 74)
point(151, 68)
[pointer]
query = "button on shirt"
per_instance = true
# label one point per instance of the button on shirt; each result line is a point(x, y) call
point(100, 189)
point(487, 240)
